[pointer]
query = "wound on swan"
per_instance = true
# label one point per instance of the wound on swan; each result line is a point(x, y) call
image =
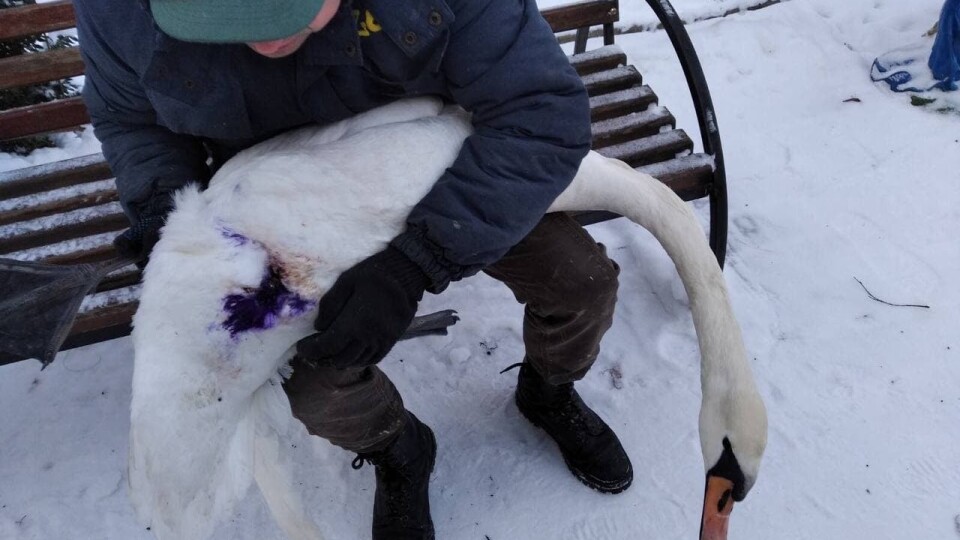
point(261, 308)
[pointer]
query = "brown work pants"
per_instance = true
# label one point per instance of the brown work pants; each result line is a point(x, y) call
point(569, 287)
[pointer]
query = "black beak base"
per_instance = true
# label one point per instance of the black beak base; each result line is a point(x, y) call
point(728, 467)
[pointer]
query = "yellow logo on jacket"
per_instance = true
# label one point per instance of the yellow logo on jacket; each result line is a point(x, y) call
point(367, 25)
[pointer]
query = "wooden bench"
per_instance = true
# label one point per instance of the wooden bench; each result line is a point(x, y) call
point(68, 212)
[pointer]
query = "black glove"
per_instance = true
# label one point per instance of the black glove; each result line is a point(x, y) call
point(137, 241)
point(366, 311)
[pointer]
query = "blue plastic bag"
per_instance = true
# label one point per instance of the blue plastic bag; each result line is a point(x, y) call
point(904, 69)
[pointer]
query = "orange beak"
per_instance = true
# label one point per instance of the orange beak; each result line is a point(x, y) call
point(717, 505)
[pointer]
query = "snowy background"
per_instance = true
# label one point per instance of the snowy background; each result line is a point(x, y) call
point(864, 398)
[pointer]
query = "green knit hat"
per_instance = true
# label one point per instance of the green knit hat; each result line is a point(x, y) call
point(233, 21)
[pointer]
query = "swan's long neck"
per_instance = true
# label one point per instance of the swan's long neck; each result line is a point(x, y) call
point(607, 184)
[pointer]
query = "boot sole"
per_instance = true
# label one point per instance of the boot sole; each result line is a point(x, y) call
point(609, 488)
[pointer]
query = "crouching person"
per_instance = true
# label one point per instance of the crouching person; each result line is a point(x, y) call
point(176, 87)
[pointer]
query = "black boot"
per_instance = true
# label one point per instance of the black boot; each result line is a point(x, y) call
point(401, 507)
point(590, 448)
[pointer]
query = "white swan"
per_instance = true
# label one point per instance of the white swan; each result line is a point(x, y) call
point(207, 417)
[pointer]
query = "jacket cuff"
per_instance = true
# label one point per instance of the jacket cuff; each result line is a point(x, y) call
point(429, 257)
point(404, 271)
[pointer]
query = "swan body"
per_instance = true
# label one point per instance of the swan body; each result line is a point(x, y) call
point(208, 416)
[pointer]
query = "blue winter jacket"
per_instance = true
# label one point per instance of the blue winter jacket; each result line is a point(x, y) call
point(163, 107)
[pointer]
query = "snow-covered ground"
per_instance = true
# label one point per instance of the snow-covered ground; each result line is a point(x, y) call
point(864, 398)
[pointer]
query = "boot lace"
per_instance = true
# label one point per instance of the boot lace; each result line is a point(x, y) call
point(571, 410)
point(565, 404)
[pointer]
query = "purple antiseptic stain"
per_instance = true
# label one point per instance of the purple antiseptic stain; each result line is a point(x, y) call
point(236, 238)
point(263, 307)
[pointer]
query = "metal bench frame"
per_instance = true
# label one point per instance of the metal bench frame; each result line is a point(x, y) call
point(625, 123)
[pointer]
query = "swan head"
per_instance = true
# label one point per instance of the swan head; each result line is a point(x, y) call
point(733, 436)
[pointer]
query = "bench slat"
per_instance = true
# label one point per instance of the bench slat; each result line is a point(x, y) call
point(619, 78)
point(599, 59)
point(689, 176)
point(93, 249)
point(59, 174)
point(571, 17)
point(102, 324)
point(59, 206)
point(621, 102)
point(83, 226)
point(28, 20)
point(625, 128)
point(54, 194)
point(119, 280)
point(113, 297)
point(660, 147)
point(60, 115)
point(40, 67)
